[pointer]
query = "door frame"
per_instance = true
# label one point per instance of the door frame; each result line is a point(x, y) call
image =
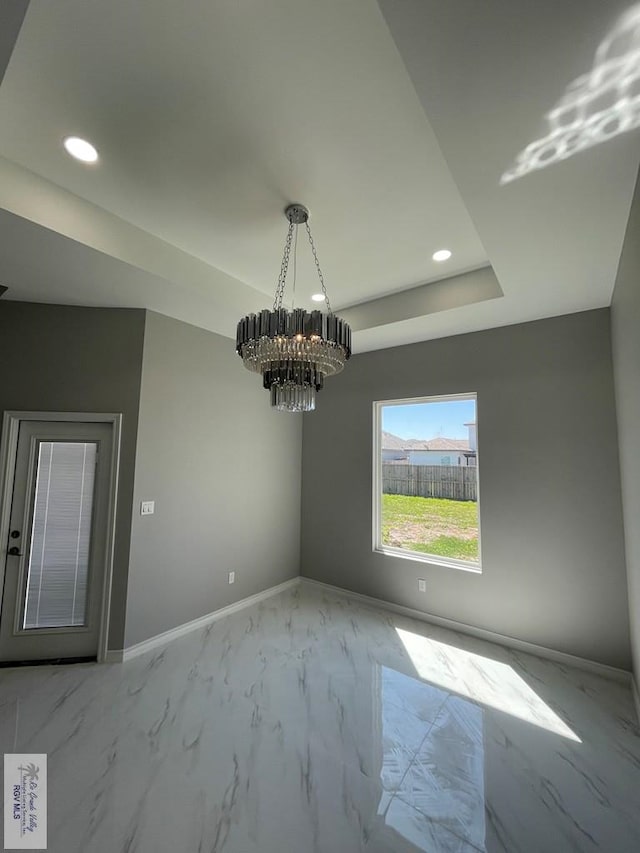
point(8, 449)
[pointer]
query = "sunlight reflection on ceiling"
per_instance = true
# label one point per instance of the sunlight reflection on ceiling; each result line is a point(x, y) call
point(596, 106)
point(482, 679)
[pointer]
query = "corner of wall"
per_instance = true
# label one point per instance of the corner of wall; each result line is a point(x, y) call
point(625, 345)
point(636, 696)
point(212, 455)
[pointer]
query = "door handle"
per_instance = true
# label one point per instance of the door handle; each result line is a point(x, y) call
point(14, 552)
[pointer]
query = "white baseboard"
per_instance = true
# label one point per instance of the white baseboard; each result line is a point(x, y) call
point(636, 697)
point(121, 655)
point(610, 672)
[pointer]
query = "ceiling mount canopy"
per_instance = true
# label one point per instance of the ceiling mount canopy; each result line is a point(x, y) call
point(294, 350)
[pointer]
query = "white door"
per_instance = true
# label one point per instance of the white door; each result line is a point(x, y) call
point(57, 545)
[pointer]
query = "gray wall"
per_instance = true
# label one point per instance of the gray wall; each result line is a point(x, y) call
point(12, 13)
point(625, 323)
point(61, 358)
point(552, 541)
point(224, 471)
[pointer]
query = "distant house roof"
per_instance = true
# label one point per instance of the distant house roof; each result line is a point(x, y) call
point(394, 442)
point(445, 444)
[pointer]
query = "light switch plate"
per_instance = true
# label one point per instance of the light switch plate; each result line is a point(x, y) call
point(232, 577)
point(147, 507)
point(422, 586)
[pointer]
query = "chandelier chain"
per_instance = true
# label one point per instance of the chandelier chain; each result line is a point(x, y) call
point(295, 269)
point(317, 262)
point(284, 266)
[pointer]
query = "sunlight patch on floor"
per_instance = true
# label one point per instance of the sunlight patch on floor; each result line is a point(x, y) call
point(481, 679)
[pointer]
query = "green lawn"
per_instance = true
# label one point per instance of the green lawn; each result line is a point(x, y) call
point(431, 525)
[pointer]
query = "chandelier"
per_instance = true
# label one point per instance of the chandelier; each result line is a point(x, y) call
point(294, 350)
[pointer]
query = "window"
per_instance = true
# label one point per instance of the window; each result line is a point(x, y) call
point(426, 492)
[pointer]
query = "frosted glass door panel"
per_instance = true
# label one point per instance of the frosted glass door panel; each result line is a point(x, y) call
point(56, 594)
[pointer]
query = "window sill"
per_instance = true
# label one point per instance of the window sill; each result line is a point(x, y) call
point(417, 557)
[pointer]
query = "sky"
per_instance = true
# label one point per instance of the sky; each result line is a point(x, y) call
point(429, 420)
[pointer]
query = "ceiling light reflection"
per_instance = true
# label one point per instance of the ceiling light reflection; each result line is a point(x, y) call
point(441, 255)
point(80, 149)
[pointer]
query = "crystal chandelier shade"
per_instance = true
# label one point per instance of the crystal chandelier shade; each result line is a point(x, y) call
point(294, 350)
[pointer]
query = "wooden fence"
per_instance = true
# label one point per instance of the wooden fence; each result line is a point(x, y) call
point(456, 482)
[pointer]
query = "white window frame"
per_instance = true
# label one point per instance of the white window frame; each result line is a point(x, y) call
point(402, 553)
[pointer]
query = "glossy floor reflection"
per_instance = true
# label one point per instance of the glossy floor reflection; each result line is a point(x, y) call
point(303, 724)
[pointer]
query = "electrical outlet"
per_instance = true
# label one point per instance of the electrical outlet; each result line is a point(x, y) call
point(422, 586)
point(232, 577)
point(147, 507)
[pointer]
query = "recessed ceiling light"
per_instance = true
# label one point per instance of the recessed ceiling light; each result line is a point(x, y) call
point(441, 255)
point(80, 149)
point(318, 297)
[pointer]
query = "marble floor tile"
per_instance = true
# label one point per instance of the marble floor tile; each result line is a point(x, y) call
point(314, 724)
point(446, 780)
point(407, 830)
